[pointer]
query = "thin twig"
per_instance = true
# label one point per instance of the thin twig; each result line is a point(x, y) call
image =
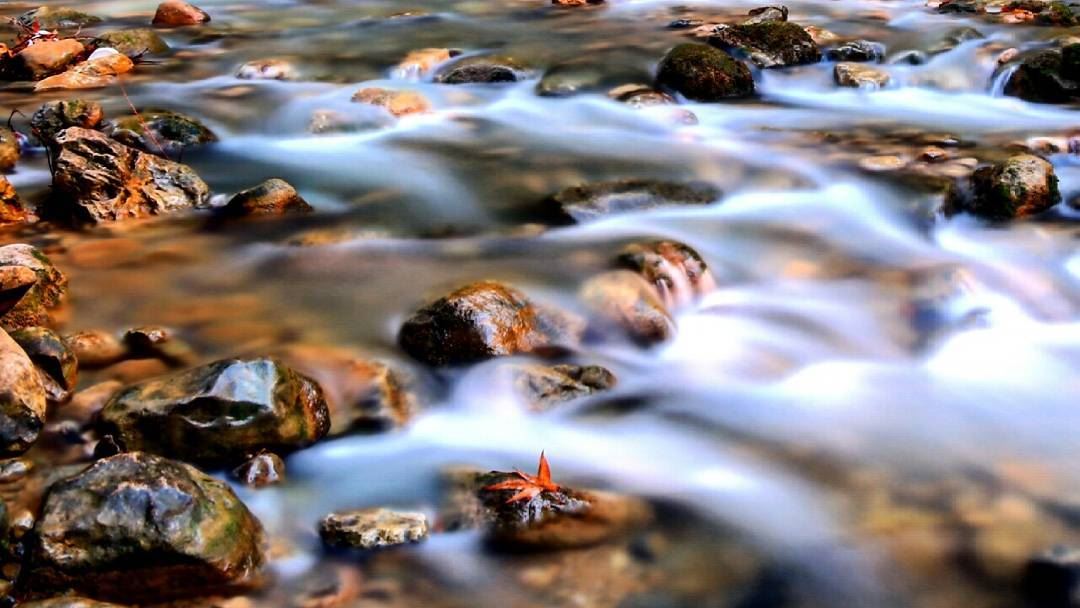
point(142, 123)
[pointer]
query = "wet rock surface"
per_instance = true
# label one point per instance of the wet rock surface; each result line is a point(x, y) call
point(1049, 76)
point(702, 73)
point(55, 116)
point(372, 528)
point(219, 412)
point(31, 288)
point(22, 399)
point(479, 70)
point(101, 69)
point(177, 13)
point(264, 469)
point(101, 180)
point(678, 273)
point(274, 197)
point(397, 103)
point(1021, 186)
point(95, 349)
point(161, 132)
point(624, 300)
point(12, 210)
point(48, 58)
point(9, 150)
point(772, 44)
point(267, 69)
point(545, 387)
point(56, 363)
point(480, 321)
point(137, 526)
point(600, 199)
point(132, 42)
point(860, 76)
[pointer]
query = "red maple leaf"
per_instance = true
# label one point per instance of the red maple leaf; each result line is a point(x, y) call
point(528, 486)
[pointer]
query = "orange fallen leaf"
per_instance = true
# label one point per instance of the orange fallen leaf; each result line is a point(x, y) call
point(528, 486)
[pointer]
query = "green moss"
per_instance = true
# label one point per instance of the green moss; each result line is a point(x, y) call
point(703, 73)
point(1059, 14)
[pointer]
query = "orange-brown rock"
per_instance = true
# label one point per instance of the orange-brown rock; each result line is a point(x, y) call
point(101, 70)
point(48, 57)
point(398, 103)
point(676, 271)
point(272, 197)
point(177, 13)
point(421, 62)
point(624, 300)
point(11, 208)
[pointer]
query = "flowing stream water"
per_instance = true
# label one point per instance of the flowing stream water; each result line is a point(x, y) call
point(877, 405)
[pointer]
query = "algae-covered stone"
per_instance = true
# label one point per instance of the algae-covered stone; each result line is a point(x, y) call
point(263, 469)
point(133, 42)
point(372, 528)
point(57, 17)
point(599, 199)
point(101, 180)
point(703, 73)
point(769, 45)
point(544, 387)
point(1021, 186)
point(219, 412)
point(137, 526)
point(30, 287)
point(480, 70)
point(1058, 14)
point(1048, 76)
point(55, 361)
point(22, 399)
point(177, 13)
point(161, 132)
point(484, 320)
point(55, 116)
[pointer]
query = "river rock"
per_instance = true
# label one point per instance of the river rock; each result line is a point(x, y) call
point(85, 405)
point(133, 42)
point(161, 132)
point(362, 394)
point(55, 362)
point(586, 74)
point(1021, 186)
point(22, 399)
point(156, 342)
point(47, 58)
point(421, 62)
point(264, 469)
point(372, 528)
point(599, 199)
point(544, 387)
point(1058, 14)
point(640, 96)
point(9, 149)
point(1048, 76)
point(57, 17)
point(55, 116)
point(69, 602)
point(103, 180)
point(101, 69)
point(219, 412)
point(623, 299)
point(271, 198)
point(703, 73)
point(95, 348)
point(137, 526)
point(267, 69)
point(30, 287)
point(398, 103)
point(771, 44)
point(11, 207)
point(766, 14)
point(1052, 578)
point(859, 76)
point(483, 320)
point(857, 51)
point(480, 70)
point(676, 271)
point(177, 13)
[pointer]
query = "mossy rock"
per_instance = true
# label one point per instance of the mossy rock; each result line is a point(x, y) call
point(51, 18)
point(1048, 76)
point(1022, 186)
point(55, 116)
point(161, 132)
point(481, 70)
point(703, 73)
point(771, 44)
point(1058, 14)
point(133, 42)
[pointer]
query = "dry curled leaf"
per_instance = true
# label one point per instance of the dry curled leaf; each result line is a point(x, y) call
point(528, 486)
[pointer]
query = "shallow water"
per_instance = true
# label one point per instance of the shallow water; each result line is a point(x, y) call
point(876, 407)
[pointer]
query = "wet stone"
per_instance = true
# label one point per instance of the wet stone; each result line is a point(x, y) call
point(219, 412)
point(1048, 76)
point(156, 342)
point(85, 405)
point(22, 399)
point(421, 62)
point(11, 207)
point(177, 13)
point(133, 42)
point(274, 197)
point(640, 96)
point(55, 362)
point(101, 180)
point(545, 387)
point(765, 14)
point(188, 533)
point(47, 58)
point(623, 300)
point(599, 199)
point(101, 69)
point(702, 73)
point(859, 76)
point(1021, 186)
point(96, 348)
point(30, 287)
point(58, 17)
point(769, 45)
point(678, 273)
point(480, 321)
point(372, 528)
point(161, 132)
point(68, 602)
point(9, 150)
point(479, 70)
point(55, 116)
point(397, 103)
point(267, 69)
point(856, 51)
point(264, 469)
